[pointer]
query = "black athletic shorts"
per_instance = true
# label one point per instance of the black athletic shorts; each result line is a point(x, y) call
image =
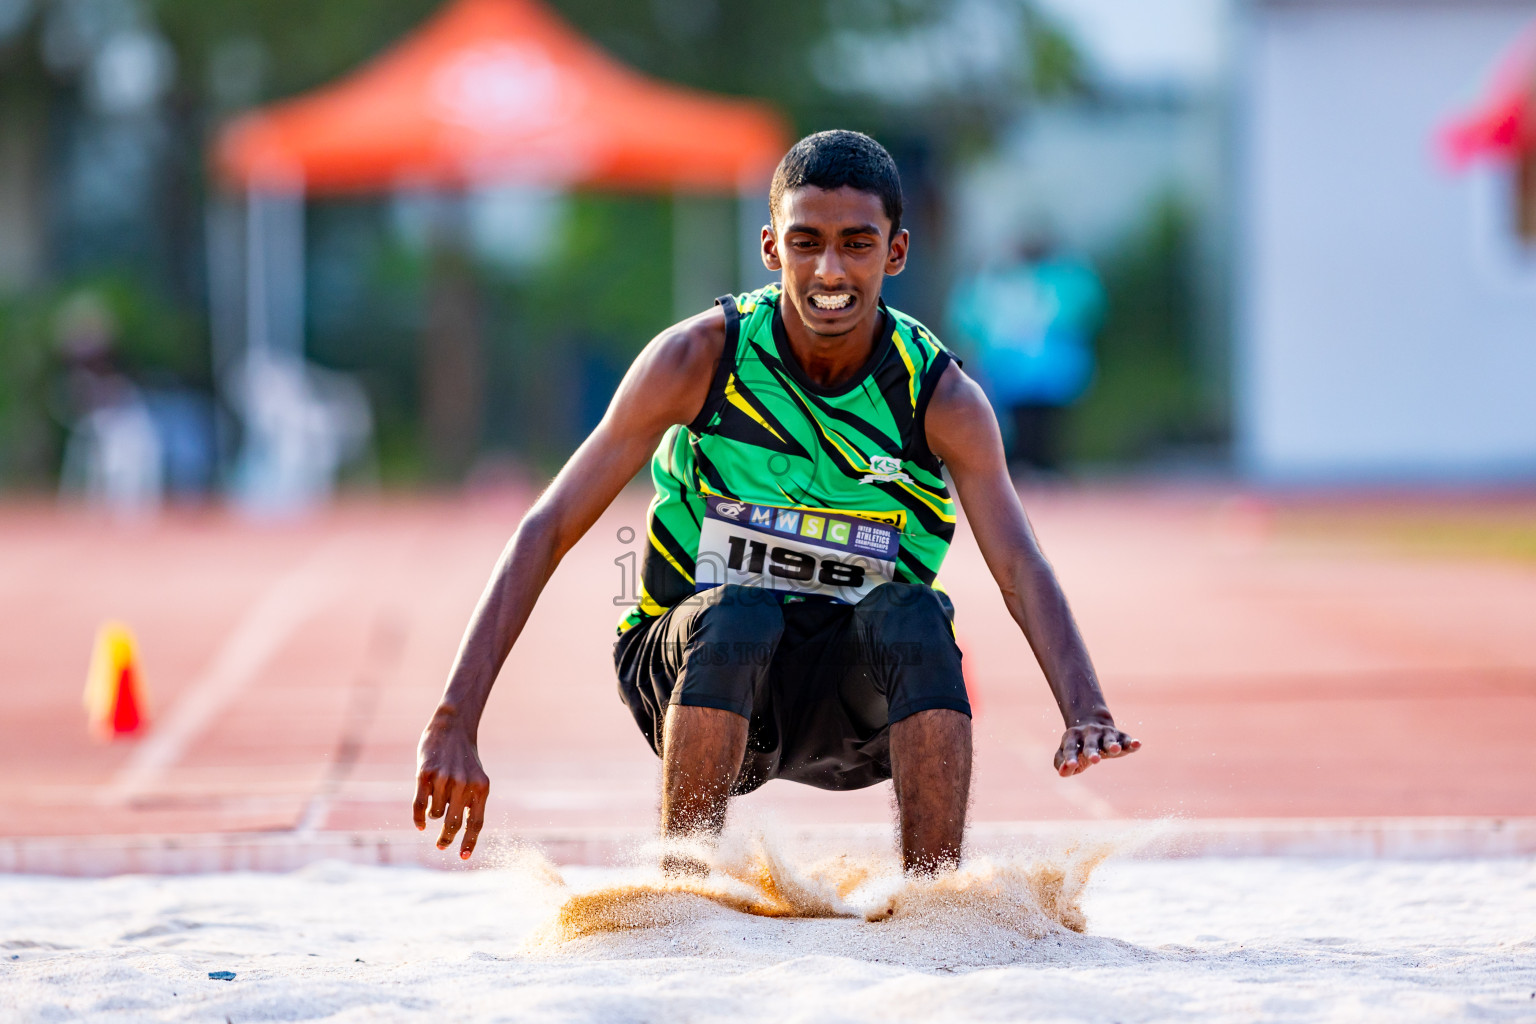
point(819, 682)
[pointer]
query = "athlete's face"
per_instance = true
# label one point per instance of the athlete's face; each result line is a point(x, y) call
point(833, 248)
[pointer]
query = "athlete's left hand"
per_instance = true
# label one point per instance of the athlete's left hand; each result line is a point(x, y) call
point(1089, 743)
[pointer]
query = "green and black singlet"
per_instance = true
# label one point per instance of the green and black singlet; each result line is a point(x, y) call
point(847, 469)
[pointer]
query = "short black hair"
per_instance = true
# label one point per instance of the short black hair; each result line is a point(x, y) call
point(838, 159)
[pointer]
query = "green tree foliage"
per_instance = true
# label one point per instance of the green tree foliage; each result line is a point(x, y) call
point(299, 43)
point(29, 438)
point(1147, 398)
point(775, 51)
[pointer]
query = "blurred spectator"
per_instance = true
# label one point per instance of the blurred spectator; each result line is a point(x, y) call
point(113, 457)
point(1031, 324)
point(303, 424)
point(184, 420)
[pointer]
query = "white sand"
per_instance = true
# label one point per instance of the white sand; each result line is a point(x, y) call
point(1241, 940)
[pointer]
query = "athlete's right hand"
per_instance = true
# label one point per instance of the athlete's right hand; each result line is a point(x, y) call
point(449, 776)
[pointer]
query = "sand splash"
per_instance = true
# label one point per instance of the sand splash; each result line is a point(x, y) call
point(751, 878)
point(985, 912)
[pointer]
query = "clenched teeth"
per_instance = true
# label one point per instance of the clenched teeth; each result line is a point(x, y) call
point(831, 301)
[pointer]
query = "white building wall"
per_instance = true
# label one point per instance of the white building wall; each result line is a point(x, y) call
point(1387, 326)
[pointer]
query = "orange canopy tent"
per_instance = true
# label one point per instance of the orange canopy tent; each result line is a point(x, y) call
point(1503, 124)
point(486, 94)
point(500, 91)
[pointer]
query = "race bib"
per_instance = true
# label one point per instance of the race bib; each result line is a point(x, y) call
point(834, 554)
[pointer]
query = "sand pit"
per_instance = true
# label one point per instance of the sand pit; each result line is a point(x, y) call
point(991, 912)
point(1038, 938)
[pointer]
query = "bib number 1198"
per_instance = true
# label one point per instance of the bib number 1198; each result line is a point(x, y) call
point(789, 564)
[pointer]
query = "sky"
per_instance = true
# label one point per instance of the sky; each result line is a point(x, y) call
point(1147, 42)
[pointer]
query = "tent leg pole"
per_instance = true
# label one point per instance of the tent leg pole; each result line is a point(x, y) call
point(256, 328)
point(290, 243)
point(224, 242)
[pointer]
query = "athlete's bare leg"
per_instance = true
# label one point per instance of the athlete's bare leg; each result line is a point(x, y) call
point(931, 767)
point(702, 751)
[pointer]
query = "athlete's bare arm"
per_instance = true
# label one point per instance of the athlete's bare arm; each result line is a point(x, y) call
point(962, 431)
point(667, 384)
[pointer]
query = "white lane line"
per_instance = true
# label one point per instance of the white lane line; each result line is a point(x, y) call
point(288, 603)
point(380, 660)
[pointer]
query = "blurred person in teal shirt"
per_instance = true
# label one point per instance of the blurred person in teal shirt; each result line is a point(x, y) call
point(1031, 326)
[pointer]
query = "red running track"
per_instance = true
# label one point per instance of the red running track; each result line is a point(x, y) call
point(291, 667)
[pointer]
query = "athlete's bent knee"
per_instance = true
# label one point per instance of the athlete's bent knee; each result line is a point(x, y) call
point(731, 641)
point(907, 638)
point(736, 613)
point(895, 610)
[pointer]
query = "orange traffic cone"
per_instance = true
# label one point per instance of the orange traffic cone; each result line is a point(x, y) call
point(114, 690)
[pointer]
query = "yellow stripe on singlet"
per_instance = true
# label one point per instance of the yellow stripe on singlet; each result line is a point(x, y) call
point(662, 549)
point(734, 397)
point(911, 367)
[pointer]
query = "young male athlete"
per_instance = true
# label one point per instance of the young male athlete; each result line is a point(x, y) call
point(789, 623)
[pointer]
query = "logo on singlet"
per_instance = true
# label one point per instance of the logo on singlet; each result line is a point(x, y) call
point(887, 469)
